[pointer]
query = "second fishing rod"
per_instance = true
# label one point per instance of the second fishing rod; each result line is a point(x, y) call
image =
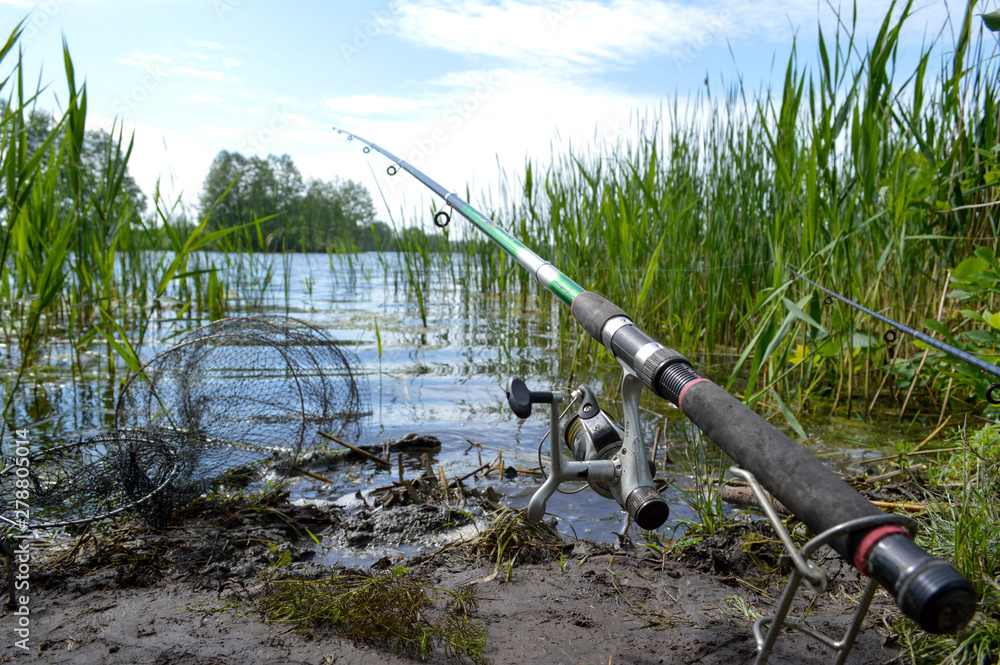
point(928, 590)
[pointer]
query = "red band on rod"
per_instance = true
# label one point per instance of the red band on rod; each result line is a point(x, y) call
point(680, 398)
point(868, 542)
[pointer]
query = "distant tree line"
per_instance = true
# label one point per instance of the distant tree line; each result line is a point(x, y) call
point(297, 215)
point(311, 216)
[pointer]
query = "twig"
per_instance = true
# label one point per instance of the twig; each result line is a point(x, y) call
point(474, 472)
point(428, 469)
point(893, 474)
point(931, 435)
point(306, 472)
point(744, 496)
point(98, 609)
point(922, 452)
point(909, 507)
point(971, 206)
point(656, 444)
point(359, 451)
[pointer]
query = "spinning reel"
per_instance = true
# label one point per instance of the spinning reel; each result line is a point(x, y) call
point(611, 458)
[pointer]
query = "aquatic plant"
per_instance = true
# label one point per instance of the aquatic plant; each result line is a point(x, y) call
point(390, 610)
point(80, 265)
point(862, 168)
point(963, 527)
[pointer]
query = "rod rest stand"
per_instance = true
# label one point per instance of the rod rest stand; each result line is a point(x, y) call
point(806, 572)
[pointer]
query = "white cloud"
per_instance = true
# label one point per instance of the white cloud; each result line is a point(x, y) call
point(529, 79)
point(200, 73)
point(572, 33)
point(222, 131)
point(391, 105)
point(202, 98)
point(605, 35)
point(145, 60)
point(200, 43)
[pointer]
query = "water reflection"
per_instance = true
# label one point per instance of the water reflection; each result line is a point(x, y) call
point(444, 378)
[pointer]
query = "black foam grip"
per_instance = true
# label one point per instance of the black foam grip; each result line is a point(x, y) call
point(930, 591)
point(816, 495)
point(593, 310)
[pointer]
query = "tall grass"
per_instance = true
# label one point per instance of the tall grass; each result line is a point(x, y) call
point(872, 179)
point(963, 529)
point(74, 265)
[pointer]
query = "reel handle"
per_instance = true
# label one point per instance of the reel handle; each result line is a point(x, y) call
point(520, 398)
point(613, 464)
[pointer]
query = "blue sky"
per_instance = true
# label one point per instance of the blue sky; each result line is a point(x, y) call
point(460, 88)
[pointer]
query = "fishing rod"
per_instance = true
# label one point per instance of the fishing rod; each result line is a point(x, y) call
point(928, 590)
point(955, 352)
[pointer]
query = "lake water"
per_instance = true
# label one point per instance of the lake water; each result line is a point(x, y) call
point(444, 378)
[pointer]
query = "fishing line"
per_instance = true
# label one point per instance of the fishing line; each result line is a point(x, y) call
point(930, 591)
point(890, 337)
point(575, 398)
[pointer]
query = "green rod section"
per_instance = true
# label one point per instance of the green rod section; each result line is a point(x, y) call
point(547, 275)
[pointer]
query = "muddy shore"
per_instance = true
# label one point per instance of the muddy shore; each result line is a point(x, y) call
point(193, 593)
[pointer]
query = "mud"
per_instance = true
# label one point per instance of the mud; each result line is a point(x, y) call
point(190, 593)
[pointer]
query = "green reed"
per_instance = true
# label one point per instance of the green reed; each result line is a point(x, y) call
point(872, 178)
point(79, 265)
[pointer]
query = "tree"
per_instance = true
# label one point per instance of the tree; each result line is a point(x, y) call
point(95, 182)
point(356, 201)
point(225, 173)
point(102, 151)
point(312, 216)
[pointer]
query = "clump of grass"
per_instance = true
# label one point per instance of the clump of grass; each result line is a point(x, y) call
point(391, 610)
point(703, 494)
point(963, 530)
point(511, 537)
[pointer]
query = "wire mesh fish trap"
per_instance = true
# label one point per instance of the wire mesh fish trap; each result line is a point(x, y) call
point(109, 475)
point(258, 385)
point(231, 394)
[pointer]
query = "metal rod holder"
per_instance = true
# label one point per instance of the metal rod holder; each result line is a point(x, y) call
point(805, 571)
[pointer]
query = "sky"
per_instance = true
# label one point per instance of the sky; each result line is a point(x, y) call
point(466, 91)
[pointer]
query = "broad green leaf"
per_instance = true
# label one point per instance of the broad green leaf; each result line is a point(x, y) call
point(988, 255)
point(863, 340)
point(647, 279)
point(799, 313)
point(828, 349)
point(789, 416)
point(799, 354)
point(994, 321)
point(939, 328)
point(992, 20)
point(970, 267)
point(981, 337)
